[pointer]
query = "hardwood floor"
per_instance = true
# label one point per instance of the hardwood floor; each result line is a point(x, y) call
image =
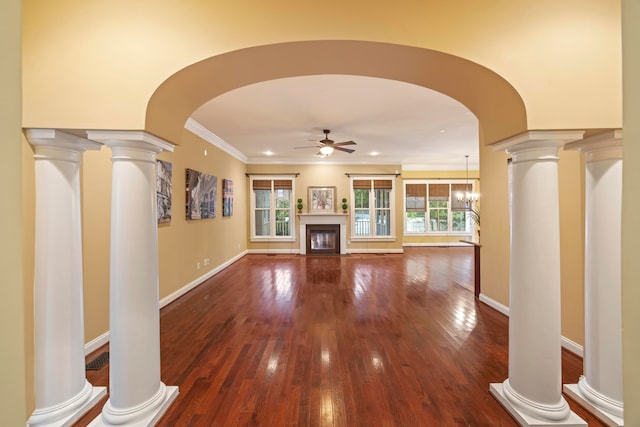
point(357, 340)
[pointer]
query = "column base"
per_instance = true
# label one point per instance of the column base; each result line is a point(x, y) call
point(49, 416)
point(497, 390)
point(149, 419)
point(574, 392)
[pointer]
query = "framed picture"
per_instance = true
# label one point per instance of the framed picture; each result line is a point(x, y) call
point(322, 199)
point(227, 197)
point(201, 190)
point(163, 191)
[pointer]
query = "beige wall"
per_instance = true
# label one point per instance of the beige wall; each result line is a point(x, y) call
point(630, 208)
point(13, 332)
point(182, 244)
point(495, 225)
point(71, 45)
point(571, 190)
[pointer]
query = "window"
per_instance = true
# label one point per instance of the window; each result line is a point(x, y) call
point(272, 209)
point(372, 208)
point(433, 207)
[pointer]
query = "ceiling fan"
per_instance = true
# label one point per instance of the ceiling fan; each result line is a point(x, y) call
point(326, 146)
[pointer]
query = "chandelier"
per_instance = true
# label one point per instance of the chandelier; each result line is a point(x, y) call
point(468, 197)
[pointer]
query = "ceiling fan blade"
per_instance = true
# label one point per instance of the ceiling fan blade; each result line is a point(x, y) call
point(308, 146)
point(346, 150)
point(344, 143)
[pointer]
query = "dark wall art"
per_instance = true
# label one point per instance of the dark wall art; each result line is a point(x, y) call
point(163, 191)
point(202, 191)
point(227, 197)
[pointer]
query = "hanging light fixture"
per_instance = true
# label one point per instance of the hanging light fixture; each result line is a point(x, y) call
point(326, 150)
point(468, 197)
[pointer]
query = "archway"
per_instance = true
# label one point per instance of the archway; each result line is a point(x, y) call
point(498, 106)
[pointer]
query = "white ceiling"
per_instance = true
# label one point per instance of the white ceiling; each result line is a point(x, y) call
point(405, 124)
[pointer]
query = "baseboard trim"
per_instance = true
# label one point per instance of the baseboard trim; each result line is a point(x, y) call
point(567, 344)
point(96, 343)
point(573, 347)
point(194, 283)
point(103, 339)
point(443, 244)
point(273, 251)
point(494, 304)
point(375, 251)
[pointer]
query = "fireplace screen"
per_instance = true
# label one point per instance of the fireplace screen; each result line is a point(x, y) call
point(323, 239)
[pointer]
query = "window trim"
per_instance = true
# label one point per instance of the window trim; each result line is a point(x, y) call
point(272, 209)
point(372, 210)
point(450, 210)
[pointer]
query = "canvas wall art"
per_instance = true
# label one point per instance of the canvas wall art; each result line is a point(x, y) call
point(202, 190)
point(163, 191)
point(227, 197)
point(321, 199)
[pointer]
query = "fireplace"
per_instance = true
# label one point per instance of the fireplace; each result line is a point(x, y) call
point(323, 239)
point(330, 237)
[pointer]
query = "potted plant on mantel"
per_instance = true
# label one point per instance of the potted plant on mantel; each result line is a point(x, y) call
point(299, 205)
point(344, 205)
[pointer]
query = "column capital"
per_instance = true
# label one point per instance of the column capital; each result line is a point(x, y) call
point(51, 143)
point(130, 139)
point(602, 146)
point(537, 145)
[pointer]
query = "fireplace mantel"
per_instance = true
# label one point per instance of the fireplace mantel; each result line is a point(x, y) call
point(323, 218)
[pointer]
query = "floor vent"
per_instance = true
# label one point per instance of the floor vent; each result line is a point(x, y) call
point(98, 362)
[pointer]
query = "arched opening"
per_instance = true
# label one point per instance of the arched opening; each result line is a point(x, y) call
point(498, 106)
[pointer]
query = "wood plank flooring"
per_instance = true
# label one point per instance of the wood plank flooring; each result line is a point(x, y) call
point(356, 340)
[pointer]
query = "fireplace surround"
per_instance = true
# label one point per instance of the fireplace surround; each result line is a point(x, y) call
point(329, 231)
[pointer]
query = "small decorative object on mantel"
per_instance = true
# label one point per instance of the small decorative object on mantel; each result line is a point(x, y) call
point(344, 205)
point(300, 206)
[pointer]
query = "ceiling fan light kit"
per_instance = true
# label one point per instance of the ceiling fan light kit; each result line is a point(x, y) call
point(326, 146)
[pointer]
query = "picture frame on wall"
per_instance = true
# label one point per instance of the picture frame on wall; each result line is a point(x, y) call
point(227, 197)
point(201, 196)
point(322, 199)
point(163, 191)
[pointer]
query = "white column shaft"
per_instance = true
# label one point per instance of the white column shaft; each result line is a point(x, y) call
point(600, 388)
point(533, 391)
point(61, 389)
point(603, 300)
point(534, 322)
point(59, 343)
point(135, 324)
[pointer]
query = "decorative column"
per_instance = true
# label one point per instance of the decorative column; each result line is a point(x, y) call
point(533, 391)
point(62, 393)
point(136, 394)
point(600, 388)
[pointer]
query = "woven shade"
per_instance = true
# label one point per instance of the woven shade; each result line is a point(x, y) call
point(362, 184)
point(282, 184)
point(416, 190)
point(438, 191)
point(262, 184)
point(382, 184)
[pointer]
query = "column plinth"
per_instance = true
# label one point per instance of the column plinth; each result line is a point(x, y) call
point(137, 396)
point(533, 391)
point(62, 393)
point(600, 388)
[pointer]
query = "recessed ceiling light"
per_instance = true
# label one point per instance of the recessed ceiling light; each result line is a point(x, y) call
point(443, 130)
point(374, 153)
point(269, 153)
